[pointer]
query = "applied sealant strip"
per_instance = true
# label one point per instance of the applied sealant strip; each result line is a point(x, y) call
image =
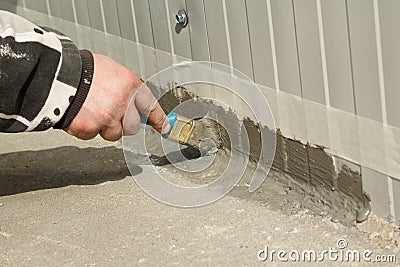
point(308, 168)
point(354, 138)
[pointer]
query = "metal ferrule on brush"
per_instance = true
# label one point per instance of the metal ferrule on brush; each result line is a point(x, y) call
point(181, 128)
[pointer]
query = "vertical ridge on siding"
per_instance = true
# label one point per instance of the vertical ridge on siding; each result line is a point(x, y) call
point(125, 19)
point(70, 28)
point(82, 13)
point(392, 210)
point(296, 39)
point(227, 34)
point(37, 5)
point(103, 19)
point(180, 37)
point(110, 17)
point(380, 63)
point(286, 48)
point(67, 10)
point(260, 42)
point(135, 27)
point(392, 214)
point(309, 50)
point(390, 40)
point(216, 31)
point(338, 55)
point(396, 200)
point(199, 45)
point(95, 15)
point(379, 194)
point(273, 47)
point(323, 53)
point(364, 59)
point(147, 59)
point(142, 15)
point(239, 40)
point(159, 24)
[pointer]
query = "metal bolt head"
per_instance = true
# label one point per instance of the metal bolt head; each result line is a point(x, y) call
point(181, 17)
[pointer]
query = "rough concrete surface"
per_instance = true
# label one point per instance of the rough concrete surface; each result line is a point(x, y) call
point(67, 202)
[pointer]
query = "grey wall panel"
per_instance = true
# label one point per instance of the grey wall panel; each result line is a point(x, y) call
point(260, 40)
point(131, 56)
point(286, 46)
point(34, 16)
point(364, 59)
point(99, 44)
point(82, 13)
point(390, 36)
point(55, 8)
point(216, 31)
point(111, 17)
point(198, 30)
point(69, 27)
point(9, 6)
point(396, 200)
point(180, 36)
point(142, 15)
point(37, 5)
point(376, 185)
point(309, 49)
point(67, 10)
point(12, 3)
point(95, 15)
point(115, 48)
point(239, 36)
point(159, 20)
point(84, 37)
point(125, 18)
point(337, 51)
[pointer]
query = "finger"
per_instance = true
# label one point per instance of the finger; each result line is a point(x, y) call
point(81, 135)
point(84, 130)
point(131, 120)
point(113, 133)
point(148, 105)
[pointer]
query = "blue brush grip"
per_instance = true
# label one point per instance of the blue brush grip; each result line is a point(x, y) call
point(143, 120)
point(172, 117)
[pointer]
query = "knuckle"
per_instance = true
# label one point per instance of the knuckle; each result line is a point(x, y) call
point(132, 80)
point(151, 106)
point(112, 138)
point(160, 120)
point(85, 129)
point(107, 117)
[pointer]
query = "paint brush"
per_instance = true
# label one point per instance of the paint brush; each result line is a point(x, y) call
point(202, 134)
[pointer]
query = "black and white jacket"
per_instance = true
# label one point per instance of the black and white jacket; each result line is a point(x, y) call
point(44, 78)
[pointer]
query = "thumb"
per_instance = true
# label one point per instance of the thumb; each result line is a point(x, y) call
point(147, 104)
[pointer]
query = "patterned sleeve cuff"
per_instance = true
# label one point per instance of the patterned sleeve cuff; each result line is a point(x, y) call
point(82, 91)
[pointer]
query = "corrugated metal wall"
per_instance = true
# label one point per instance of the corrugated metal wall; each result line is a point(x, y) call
point(344, 54)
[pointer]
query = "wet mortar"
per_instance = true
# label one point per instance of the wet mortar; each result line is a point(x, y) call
point(303, 176)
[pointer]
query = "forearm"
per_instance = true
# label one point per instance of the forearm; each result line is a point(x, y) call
point(44, 79)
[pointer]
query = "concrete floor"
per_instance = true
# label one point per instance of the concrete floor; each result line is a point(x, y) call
point(67, 202)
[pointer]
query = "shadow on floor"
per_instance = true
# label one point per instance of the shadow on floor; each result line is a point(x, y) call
point(52, 168)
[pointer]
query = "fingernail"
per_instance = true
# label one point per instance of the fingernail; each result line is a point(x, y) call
point(166, 127)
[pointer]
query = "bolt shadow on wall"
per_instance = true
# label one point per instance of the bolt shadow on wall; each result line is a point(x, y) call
point(59, 167)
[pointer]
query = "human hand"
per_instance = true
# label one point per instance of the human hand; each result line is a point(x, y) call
point(113, 88)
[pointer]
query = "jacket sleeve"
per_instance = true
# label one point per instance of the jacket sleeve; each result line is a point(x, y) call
point(44, 78)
